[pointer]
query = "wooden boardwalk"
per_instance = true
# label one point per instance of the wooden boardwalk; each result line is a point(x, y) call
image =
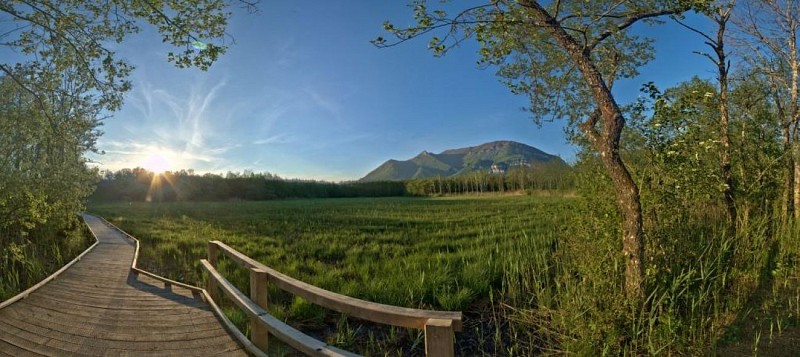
point(98, 307)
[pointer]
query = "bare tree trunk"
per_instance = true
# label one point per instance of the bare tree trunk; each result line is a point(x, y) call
point(787, 204)
point(789, 138)
point(722, 67)
point(721, 18)
point(796, 181)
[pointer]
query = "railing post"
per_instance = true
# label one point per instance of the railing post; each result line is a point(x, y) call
point(439, 338)
point(211, 286)
point(258, 293)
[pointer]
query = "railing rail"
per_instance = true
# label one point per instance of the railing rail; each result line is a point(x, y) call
point(439, 326)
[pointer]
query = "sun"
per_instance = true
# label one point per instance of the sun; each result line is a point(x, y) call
point(157, 162)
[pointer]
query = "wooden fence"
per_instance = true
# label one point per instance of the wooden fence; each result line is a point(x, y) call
point(439, 326)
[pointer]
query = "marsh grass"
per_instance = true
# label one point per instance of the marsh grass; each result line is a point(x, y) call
point(533, 275)
point(435, 253)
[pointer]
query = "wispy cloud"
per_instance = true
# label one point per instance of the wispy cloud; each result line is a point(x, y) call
point(275, 139)
point(182, 125)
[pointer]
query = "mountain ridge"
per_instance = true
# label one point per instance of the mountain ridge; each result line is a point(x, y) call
point(495, 156)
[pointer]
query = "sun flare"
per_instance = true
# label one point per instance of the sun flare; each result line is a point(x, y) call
point(157, 162)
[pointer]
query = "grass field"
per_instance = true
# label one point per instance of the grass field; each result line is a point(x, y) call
point(436, 253)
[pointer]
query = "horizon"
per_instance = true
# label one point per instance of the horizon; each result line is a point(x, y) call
point(156, 166)
point(310, 99)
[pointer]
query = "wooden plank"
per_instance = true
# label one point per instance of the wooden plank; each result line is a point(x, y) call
point(141, 302)
point(249, 346)
point(12, 350)
point(64, 322)
point(211, 286)
point(33, 343)
point(367, 310)
point(79, 291)
point(106, 308)
point(91, 317)
point(279, 329)
point(258, 294)
point(139, 333)
point(439, 338)
point(140, 318)
point(70, 342)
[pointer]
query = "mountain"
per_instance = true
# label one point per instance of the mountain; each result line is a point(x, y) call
point(496, 156)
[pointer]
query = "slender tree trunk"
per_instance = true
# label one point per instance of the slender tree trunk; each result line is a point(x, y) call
point(724, 116)
point(787, 206)
point(606, 142)
point(630, 206)
point(789, 138)
point(796, 181)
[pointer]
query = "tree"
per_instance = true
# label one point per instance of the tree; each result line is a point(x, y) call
point(565, 57)
point(769, 29)
point(76, 35)
point(720, 15)
point(69, 80)
point(675, 138)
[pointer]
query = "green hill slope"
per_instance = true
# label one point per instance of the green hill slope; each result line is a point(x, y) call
point(500, 154)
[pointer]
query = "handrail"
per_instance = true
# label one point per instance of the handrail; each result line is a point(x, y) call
point(438, 325)
point(284, 332)
point(367, 310)
point(46, 280)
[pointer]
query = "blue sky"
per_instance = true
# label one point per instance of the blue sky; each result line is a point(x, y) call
point(303, 94)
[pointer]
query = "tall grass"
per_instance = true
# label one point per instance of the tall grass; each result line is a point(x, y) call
point(442, 253)
point(534, 275)
point(24, 261)
point(703, 285)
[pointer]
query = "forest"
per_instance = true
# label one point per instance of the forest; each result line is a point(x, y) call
point(140, 185)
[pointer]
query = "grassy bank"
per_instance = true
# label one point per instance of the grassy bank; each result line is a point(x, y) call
point(24, 261)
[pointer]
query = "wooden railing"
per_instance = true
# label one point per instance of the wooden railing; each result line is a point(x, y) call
point(439, 326)
point(248, 345)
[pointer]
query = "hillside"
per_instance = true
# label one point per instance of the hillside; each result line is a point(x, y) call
point(497, 156)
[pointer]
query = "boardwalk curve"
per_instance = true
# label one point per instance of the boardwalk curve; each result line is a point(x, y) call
point(99, 307)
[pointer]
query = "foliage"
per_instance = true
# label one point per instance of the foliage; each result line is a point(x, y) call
point(53, 102)
point(43, 180)
point(527, 57)
point(678, 146)
point(553, 176)
point(77, 36)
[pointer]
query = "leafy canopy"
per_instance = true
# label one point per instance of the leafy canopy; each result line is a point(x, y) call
point(527, 57)
point(79, 36)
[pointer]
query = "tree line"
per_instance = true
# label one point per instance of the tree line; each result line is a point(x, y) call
point(138, 184)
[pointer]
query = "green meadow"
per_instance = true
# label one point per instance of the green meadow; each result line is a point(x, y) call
point(432, 253)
